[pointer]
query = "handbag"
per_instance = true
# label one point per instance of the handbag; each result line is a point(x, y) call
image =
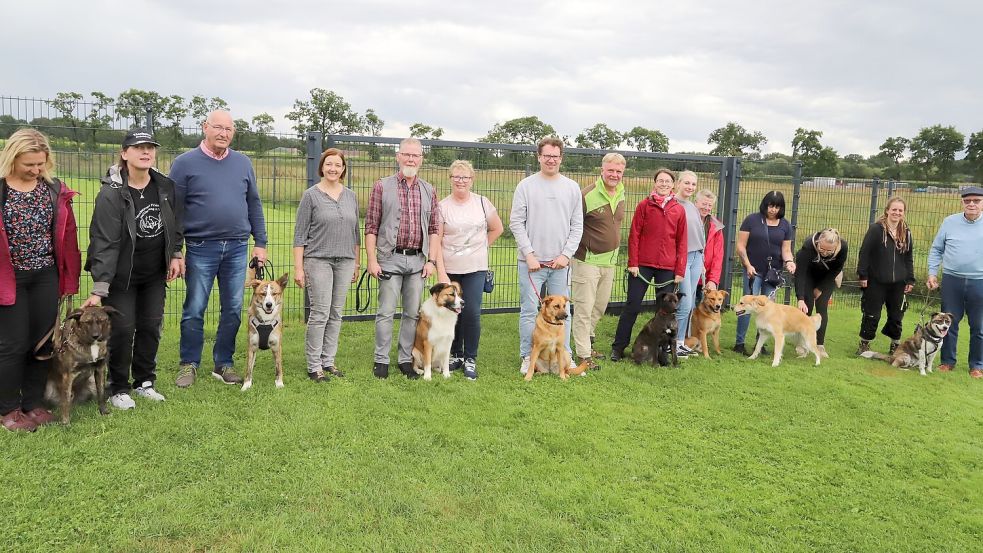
point(772, 276)
point(489, 274)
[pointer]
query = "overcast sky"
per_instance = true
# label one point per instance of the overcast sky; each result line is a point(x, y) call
point(858, 71)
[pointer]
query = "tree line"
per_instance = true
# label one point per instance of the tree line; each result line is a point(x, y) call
point(929, 155)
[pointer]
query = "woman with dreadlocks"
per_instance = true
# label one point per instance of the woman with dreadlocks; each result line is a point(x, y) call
point(886, 272)
point(820, 259)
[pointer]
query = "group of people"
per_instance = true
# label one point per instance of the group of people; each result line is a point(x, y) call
point(148, 229)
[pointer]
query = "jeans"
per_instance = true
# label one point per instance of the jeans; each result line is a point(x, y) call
point(467, 332)
point(204, 261)
point(591, 291)
point(556, 284)
point(136, 332)
point(687, 287)
point(35, 309)
point(328, 281)
point(756, 286)
point(963, 296)
point(406, 283)
point(633, 305)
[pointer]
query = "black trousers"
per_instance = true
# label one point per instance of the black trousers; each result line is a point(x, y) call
point(22, 325)
point(136, 333)
point(633, 305)
point(820, 304)
point(875, 296)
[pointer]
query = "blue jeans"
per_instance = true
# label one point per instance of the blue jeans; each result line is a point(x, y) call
point(963, 296)
point(756, 286)
point(468, 329)
point(205, 260)
point(556, 284)
point(694, 270)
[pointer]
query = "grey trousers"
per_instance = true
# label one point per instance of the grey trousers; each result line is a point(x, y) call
point(328, 281)
point(410, 288)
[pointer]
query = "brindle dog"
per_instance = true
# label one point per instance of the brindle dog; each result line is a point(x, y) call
point(656, 343)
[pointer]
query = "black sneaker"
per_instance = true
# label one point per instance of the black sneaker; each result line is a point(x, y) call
point(381, 370)
point(739, 348)
point(617, 354)
point(456, 363)
point(318, 376)
point(470, 370)
point(407, 370)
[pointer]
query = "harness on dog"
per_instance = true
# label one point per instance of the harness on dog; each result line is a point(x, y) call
point(263, 331)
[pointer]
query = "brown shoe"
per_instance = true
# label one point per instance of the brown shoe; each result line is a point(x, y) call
point(227, 375)
point(976, 373)
point(591, 364)
point(945, 368)
point(16, 420)
point(40, 416)
point(334, 371)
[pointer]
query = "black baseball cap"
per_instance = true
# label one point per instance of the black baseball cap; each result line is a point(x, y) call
point(139, 136)
point(971, 191)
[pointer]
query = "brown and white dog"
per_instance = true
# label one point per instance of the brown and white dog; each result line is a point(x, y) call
point(265, 323)
point(778, 320)
point(549, 353)
point(919, 350)
point(706, 322)
point(435, 329)
point(78, 365)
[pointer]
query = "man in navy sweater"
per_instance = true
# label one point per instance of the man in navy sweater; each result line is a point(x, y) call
point(221, 209)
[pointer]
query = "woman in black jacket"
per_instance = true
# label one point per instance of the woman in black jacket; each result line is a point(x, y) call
point(135, 243)
point(820, 259)
point(886, 272)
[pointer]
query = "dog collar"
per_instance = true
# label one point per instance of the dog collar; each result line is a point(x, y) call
point(554, 324)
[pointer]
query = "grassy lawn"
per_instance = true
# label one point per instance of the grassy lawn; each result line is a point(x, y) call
point(721, 455)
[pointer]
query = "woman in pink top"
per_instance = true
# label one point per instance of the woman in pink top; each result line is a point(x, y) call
point(470, 225)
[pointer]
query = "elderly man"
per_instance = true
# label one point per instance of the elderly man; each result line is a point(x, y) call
point(217, 187)
point(401, 242)
point(958, 248)
point(547, 222)
point(593, 265)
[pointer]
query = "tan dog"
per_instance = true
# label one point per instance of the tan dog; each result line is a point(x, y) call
point(919, 350)
point(777, 320)
point(706, 321)
point(265, 323)
point(435, 329)
point(78, 366)
point(549, 352)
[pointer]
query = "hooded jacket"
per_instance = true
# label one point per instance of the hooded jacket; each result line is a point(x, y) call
point(113, 233)
point(64, 237)
point(811, 270)
point(883, 262)
point(658, 236)
point(713, 255)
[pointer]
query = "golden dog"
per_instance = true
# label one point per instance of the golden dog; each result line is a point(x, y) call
point(706, 321)
point(265, 327)
point(549, 352)
point(777, 320)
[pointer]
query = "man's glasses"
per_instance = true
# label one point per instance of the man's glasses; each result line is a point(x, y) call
point(972, 200)
point(411, 156)
point(550, 157)
point(461, 178)
point(220, 128)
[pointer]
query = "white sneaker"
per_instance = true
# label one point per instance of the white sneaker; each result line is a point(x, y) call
point(525, 365)
point(147, 391)
point(122, 401)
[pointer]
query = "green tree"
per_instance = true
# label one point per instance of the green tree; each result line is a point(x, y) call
point(419, 130)
point(855, 166)
point(199, 107)
point(99, 117)
point(66, 103)
point(263, 126)
point(599, 136)
point(974, 154)
point(170, 112)
point(734, 140)
point(372, 123)
point(647, 140)
point(522, 130)
point(132, 104)
point(806, 143)
point(935, 148)
point(326, 112)
point(895, 148)
point(816, 160)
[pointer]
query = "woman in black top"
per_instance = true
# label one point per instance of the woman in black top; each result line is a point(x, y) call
point(135, 245)
point(820, 259)
point(886, 272)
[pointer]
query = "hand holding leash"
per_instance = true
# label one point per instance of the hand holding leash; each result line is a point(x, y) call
point(532, 263)
point(260, 254)
point(560, 262)
point(932, 283)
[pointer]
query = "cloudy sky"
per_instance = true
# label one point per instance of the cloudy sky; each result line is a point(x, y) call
point(858, 71)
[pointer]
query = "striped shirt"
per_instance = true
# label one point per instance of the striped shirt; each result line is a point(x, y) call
point(327, 227)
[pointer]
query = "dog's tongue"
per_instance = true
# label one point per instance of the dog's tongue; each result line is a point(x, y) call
point(457, 310)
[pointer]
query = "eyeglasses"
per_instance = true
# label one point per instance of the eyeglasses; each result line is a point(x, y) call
point(220, 128)
point(972, 200)
point(551, 157)
point(411, 156)
point(462, 178)
point(663, 181)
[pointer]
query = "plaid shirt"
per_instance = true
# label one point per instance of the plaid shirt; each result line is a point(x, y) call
point(409, 234)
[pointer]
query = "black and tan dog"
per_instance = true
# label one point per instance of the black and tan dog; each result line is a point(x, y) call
point(549, 352)
point(265, 323)
point(656, 343)
point(435, 329)
point(706, 322)
point(919, 350)
point(78, 364)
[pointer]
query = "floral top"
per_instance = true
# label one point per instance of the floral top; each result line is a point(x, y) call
point(27, 217)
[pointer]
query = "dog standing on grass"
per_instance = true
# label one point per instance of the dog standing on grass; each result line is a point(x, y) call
point(778, 320)
point(78, 367)
point(265, 323)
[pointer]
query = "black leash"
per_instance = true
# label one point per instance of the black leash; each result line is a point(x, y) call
point(384, 275)
point(261, 269)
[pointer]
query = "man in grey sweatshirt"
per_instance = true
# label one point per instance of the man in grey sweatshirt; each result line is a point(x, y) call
point(547, 221)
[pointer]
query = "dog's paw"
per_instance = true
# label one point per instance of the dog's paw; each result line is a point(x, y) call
point(447, 374)
point(247, 385)
point(279, 384)
point(428, 377)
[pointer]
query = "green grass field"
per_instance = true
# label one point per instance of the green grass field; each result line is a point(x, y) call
point(725, 455)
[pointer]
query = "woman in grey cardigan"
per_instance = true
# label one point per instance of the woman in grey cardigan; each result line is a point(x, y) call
point(326, 259)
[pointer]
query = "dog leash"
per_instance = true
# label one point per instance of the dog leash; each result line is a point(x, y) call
point(260, 269)
point(54, 335)
point(367, 288)
point(656, 284)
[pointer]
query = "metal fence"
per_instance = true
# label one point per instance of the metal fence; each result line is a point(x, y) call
point(285, 164)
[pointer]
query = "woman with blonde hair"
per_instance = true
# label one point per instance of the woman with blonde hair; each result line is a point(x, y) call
point(696, 241)
point(886, 271)
point(39, 262)
point(818, 262)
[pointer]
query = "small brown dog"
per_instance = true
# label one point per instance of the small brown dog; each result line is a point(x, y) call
point(706, 321)
point(549, 353)
point(265, 323)
point(78, 365)
point(778, 320)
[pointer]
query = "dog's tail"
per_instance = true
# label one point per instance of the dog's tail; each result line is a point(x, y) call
point(875, 355)
point(817, 320)
point(579, 369)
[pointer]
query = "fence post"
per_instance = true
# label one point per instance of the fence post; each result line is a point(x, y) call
point(731, 170)
point(313, 154)
point(890, 188)
point(150, 117)
point(528, 170)
point(873, 200)
point(796, 194)
point(274, 180)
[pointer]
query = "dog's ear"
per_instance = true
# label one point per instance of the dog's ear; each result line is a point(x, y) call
point(725, 293)
point(252, 283)
point(761, 300)
point(250, 276)
point(436, 288)
point(283, 281)
point(111, 311)
point(75, 314)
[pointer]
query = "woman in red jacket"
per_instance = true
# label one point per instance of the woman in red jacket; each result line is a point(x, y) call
point(713, 255)
point(656, 253)
point(39, 262)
